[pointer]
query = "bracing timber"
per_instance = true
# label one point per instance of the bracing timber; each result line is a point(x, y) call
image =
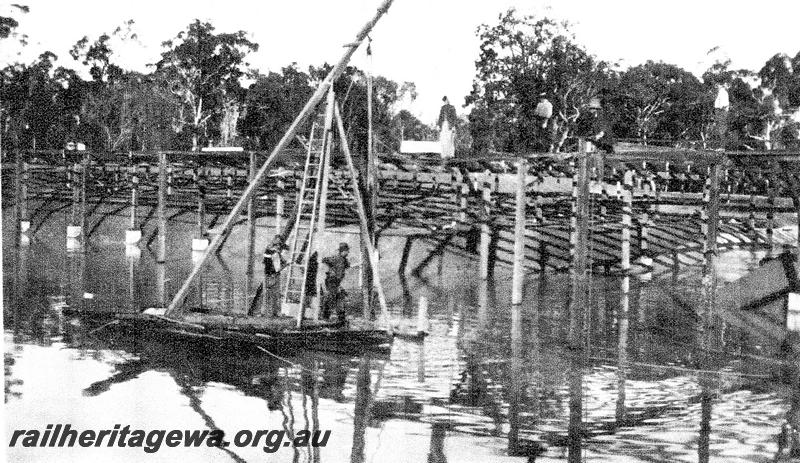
point(308, 109)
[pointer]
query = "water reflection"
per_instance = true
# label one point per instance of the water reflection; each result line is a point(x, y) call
point(613, 370)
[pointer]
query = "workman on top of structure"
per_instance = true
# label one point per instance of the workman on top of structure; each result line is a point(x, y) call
point(334, 295)
point(596, 127)
point(721, 108)
point(447, 129)
point(544, 128)
point(273, 265)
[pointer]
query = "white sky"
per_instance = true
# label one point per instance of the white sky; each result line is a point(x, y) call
point(429, 42)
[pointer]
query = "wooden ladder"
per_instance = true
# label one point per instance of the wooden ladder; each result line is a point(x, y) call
point(304, 227)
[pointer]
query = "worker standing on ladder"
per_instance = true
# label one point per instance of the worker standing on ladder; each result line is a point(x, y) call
point(273, 264)
point(334, 295)
point(447, 129)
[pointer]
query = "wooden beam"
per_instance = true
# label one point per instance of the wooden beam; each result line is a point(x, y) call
point(162, 210)
point(251, 223)
point(233, 216)
point(362, 215)
point(712, 209)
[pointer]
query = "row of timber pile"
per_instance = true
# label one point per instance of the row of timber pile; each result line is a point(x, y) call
point(423, 198)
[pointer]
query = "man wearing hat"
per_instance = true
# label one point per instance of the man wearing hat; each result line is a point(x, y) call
point(273, 265)
point(596, 127)
point(334, 299)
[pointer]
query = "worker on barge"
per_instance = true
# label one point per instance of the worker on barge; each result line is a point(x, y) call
point(333, 301)
point(273, 265)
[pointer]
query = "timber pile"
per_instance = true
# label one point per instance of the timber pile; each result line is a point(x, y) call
point(421, 198)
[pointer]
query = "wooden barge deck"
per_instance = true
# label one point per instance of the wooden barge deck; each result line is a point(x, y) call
point(357, 335)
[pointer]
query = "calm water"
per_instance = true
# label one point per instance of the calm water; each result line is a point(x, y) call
point(657, 382)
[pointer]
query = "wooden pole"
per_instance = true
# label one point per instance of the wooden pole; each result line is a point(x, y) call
point(401, 269)
point(76, 195)
point(325, 164)
point(23, 197)
point(162, 209)
point(324, 174)
point(169, 179)
point(573, 216)
point(771, 187)
point(362, 215)
point(372, 181)
point(161, 282)
point(251, 223)
point(622, 349)
point(371, 195)
point(279, 207)
point(284, 141)
point(201, 203)
point(712, 209)
point(486, 233)
point(517, 380)
point(518, 275)
point(627, 206)
point(18, 194)
point(582, 211)
point(134, 196)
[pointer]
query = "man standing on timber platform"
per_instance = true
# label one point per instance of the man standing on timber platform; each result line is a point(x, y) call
point(447, 129)
point(334, 299)
point(721, 108)
point(273, 264)
point(544, 132)
point(596, 127)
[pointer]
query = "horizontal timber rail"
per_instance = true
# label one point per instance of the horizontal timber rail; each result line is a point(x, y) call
point(422, 198)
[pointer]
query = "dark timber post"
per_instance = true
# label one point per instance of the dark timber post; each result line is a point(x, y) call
point(279, 205)
point(251, 221)
point(162, 208)
point(581, 255)
point(24, 220)
point(18, 193)
point(85, 163)
point(370, 196)
point(712, 210)
point(771, 215)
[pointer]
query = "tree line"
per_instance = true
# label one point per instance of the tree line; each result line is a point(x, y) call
point(194, 95)
point(522, 56)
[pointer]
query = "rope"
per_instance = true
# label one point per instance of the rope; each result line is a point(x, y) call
point(112, 322)
point(285, 360)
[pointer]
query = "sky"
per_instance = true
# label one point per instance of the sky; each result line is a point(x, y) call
point(429, 42)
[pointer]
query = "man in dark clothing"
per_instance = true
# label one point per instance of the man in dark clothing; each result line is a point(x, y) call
point(596, 127)
point(273, 264)
point(337, 267)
